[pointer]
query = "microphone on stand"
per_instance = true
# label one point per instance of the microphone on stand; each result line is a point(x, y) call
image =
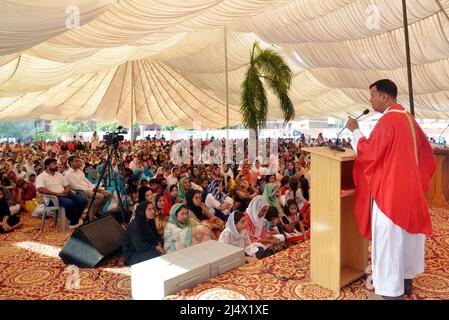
point(439, 138)
point(336, 146)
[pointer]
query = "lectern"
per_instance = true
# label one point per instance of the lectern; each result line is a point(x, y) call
point(338, 253)
point(438, 195)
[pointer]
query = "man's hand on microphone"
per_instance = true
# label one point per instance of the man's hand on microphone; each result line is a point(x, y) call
point(352, 124)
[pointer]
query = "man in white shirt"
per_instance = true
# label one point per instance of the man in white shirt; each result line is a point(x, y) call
point(51, 182)
point(77, 180)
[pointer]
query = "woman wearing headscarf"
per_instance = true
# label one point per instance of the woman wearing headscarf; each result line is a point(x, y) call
point(184, 186)
point(139, 173)
point(271, 193)
point(31, 178)
point(255, 219)
point(172, 178)
point(161, 218)
point(226, 172)
point(148, 172)
point(243, 193)
point(235, 234)
point(29, 165)
point(63, 164)
point(17, 169)
point(183, 231)
point(170, 197)
point(93, 176)
point(12, 177)
point(295, 193)
point(217, 199)
point(142, 241)
point(203, 213)
point(201, 177)
point(26, 191)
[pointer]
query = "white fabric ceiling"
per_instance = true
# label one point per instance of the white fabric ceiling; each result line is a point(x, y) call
point(169, 57)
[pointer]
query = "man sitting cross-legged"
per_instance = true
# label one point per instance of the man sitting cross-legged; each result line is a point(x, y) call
point(77, 180)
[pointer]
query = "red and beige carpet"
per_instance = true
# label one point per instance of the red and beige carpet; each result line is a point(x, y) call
point(31, 269)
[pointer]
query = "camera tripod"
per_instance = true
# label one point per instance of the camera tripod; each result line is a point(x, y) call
point(113, 152)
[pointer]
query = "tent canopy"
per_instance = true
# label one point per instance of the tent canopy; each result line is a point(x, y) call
point(168, 56)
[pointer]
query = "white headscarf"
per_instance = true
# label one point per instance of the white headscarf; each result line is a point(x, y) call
point(20, 175)
point(159, 171)
point(28, 174)
point(236, 235)
point(254, 208)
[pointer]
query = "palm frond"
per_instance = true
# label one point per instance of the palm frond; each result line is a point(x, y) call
point(272, 66)
point(285, 102)
point(287, 107)
point(249, 98)
point(269, 65)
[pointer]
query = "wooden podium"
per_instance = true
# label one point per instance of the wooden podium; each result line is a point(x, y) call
point(338, 253)
point(438, 194)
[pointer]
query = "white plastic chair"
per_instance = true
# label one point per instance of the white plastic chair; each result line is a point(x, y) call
point(56, 208)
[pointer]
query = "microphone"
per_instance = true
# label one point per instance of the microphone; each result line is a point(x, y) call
point(336, 146)
point(439, 138)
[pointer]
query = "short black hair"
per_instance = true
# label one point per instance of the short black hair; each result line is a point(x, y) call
point(272, 213)
point(287, 206)
point(294, 184)
point(72, 158)
point(386, 86)
point(285, 180)
point(238, 215)
point(49, 161)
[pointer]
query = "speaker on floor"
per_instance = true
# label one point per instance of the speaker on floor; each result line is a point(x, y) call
point(93, 242)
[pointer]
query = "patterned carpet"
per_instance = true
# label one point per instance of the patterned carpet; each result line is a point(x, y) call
point(31, 269)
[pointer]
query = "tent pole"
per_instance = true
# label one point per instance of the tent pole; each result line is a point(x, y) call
point(131, 130)
point(227, 81)
point(409, 61)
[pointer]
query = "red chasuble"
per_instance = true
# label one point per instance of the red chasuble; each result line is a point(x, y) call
point(386, 170)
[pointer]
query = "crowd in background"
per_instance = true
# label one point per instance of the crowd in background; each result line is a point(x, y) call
point(171, 206)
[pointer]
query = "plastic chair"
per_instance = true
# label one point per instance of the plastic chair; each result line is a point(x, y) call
point(56, 208)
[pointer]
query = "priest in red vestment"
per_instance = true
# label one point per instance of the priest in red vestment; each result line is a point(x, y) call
point(392, 172)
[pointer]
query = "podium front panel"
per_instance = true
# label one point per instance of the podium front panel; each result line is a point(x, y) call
point(325, 222)
point(338, 253)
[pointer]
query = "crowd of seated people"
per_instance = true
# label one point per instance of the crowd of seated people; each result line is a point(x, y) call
point(173, 205)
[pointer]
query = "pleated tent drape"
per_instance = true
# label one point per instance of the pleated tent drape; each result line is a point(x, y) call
point(168, 56)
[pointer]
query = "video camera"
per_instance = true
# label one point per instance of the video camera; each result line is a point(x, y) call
point(114, 138)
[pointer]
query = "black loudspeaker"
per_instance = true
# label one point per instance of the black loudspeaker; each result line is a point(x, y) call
point(93, 242)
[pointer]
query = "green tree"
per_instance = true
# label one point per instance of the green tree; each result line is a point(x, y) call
point(65, 127)
point(172, 128)
point(44, 136)
point(268, 65)
point(106, 126)
point(17, 129)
